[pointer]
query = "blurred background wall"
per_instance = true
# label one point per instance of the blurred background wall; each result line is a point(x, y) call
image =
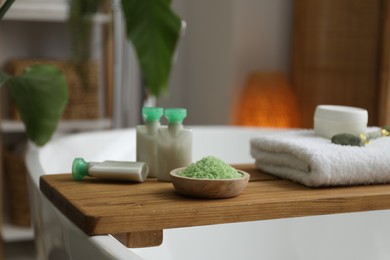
point(224, 42)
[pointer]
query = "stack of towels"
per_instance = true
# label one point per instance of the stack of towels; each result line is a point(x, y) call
point(314, 161)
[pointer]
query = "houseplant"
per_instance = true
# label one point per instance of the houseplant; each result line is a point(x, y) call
point(40, 93)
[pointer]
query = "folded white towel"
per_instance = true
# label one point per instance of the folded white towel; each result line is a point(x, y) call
point(303, 157)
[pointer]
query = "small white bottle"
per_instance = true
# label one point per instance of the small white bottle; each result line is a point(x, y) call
point(174, 144)
point(147, 138)
point(110, 170)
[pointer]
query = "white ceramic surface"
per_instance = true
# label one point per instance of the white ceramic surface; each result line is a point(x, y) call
point(357, 236)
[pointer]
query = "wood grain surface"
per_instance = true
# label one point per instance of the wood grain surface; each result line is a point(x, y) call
point(336, 55)
point(144, 210)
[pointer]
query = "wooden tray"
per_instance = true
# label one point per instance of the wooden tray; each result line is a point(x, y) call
point(136, 214)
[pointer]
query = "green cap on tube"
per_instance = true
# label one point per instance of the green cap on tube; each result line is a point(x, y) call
point(79, 169)
point(175, 115)
point(152, 114)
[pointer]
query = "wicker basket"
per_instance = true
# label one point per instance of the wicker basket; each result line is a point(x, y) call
point(15, 178)
point(83, 100)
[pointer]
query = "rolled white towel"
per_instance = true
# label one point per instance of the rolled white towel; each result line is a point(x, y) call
point(314, 161)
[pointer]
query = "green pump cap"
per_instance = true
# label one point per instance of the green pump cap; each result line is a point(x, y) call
point(152, 113)
point(79, 169)
point(175, 115)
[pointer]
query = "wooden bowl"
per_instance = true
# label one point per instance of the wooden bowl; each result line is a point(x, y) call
point(209, 188)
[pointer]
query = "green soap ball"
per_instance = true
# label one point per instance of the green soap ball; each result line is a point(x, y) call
point(347, 139)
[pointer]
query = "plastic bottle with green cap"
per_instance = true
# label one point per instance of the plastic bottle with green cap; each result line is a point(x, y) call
point(110, 170)
point(174, 144)
point(147, 138)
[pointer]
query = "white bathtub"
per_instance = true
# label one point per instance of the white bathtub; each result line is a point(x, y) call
point(354, 236)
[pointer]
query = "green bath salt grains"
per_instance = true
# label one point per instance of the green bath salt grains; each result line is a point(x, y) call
point(210, 167)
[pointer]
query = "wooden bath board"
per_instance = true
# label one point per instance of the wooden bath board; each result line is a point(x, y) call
point(137, 214)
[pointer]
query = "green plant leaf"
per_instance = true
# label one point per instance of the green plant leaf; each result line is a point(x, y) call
point(4, 8)
point(40, 94)
point(154, 30)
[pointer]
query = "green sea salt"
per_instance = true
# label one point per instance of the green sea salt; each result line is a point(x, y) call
point(210, 167)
